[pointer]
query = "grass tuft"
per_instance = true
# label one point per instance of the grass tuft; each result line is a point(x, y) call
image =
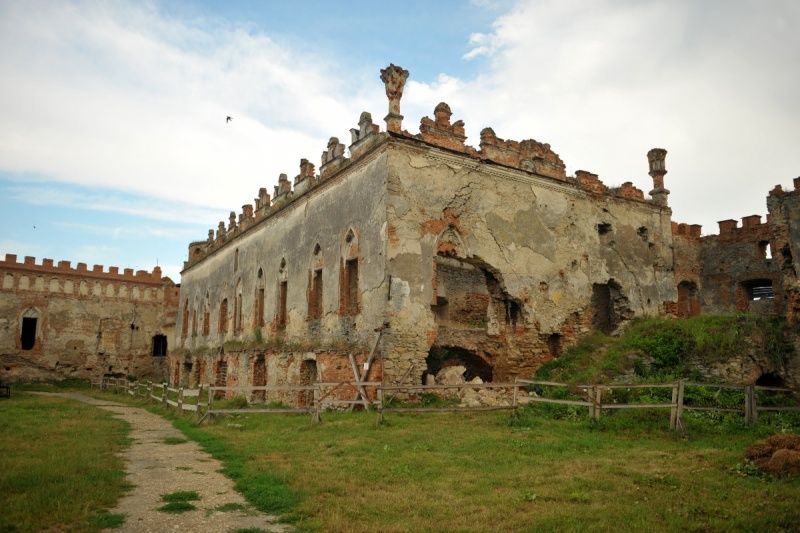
point(230, 506)
point(180, 496)
point(177, 507)
point(106, 520)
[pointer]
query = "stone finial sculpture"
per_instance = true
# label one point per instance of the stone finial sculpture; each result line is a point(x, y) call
point(394, 79)
point(656, 158)
point(232, 221)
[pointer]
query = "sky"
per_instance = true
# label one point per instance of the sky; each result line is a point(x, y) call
point(114, 148)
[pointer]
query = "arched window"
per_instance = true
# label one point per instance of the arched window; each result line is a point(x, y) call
point(207, 316)
point(28, 329)
point(237, 308)
point(348, 277)
point(283, 289)
point(185, 319)
point(258, 319)
point(315, 289)
point(223, 316)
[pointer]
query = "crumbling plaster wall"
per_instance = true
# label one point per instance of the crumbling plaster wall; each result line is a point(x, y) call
point(86, 326)
point(539, 235)
point(322, 216)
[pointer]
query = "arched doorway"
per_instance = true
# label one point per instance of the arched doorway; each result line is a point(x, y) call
point(441, 357)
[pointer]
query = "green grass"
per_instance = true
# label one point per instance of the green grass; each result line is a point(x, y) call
point(106, 520)
point(230, 506)
point(174, 440)
point(180, 496)
point(177, 507)
point(59, 464)
point(659, 349)
point(467, 471)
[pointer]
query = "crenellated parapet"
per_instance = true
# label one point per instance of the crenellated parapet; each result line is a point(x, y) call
point(689, 231)
point(440, 132)
point(529, 155)
point(47, 266)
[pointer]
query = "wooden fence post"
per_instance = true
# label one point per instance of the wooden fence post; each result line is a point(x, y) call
point(750, 409)
point(180, 399)
point(379, 392)
point(590, 396)
point(316, 407)
point(598, 401)
point(673, 412)
point(199, 395)
point(164, 393)
point(679, 409)
point(514, 403)
point(209, 412)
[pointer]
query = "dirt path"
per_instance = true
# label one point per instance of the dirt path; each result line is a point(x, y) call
point(155, 468)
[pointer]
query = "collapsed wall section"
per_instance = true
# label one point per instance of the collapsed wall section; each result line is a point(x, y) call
point(511, 266)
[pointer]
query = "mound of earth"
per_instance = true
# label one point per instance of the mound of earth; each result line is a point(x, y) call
point(778, 455)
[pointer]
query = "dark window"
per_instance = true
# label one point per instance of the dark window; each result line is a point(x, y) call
point(223, 316)
point(351, 287)
point(282, 289)
point(759, 289)
point(602, 310)
point(28, 336)
point(236, 260)
point(554, 345)
point(159, 345)
point(315, 298)
point(260, 308)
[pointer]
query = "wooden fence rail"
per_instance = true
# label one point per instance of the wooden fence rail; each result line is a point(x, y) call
point(321, 395)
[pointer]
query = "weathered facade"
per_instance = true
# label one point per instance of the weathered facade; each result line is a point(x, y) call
point(489, 256)
point(742, 269)
point(57, 321)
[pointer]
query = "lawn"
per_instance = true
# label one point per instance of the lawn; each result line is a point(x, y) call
point(552, 469)
point(58, 465)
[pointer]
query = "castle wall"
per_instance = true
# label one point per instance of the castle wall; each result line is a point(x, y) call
point(318, 227)
point(512, 266)
point(56, 321)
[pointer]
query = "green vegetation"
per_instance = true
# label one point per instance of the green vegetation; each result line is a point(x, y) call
point(178, 502)
point(230, 506)
point(59, 464)
point(180, 496)
point(177, 507)
point(658, 349)
point(106, 520)
point(464, 471)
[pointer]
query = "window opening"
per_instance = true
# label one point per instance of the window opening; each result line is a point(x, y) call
point(759, 289)
point(28, 334)
point(351, 287)
point(159, 345)
point(223, 316)
point(282, 290)
point(315, 298)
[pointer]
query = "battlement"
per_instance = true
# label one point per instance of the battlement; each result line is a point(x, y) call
point(778, 189)
point(81, 270)
point(690, 231)
point(527, 155)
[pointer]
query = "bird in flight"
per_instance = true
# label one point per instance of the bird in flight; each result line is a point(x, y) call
point(228, 119)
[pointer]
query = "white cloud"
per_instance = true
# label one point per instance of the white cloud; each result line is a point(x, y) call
point(11, 246)
point(137, 232)
point(121, 95)
point(713, 82)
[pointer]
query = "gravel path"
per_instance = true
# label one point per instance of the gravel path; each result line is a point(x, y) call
point(155, 468)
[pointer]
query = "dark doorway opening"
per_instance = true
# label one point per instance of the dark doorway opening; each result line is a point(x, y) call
point(770, 379)
point(28, 335)
point(440, 357)
point(159, 345)
point(259, 378)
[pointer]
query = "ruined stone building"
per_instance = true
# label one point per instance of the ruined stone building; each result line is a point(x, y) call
point(418, 248)
point(491, 256)
point(57, 321)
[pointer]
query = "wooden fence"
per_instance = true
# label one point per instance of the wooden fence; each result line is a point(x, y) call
point(313, 398)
